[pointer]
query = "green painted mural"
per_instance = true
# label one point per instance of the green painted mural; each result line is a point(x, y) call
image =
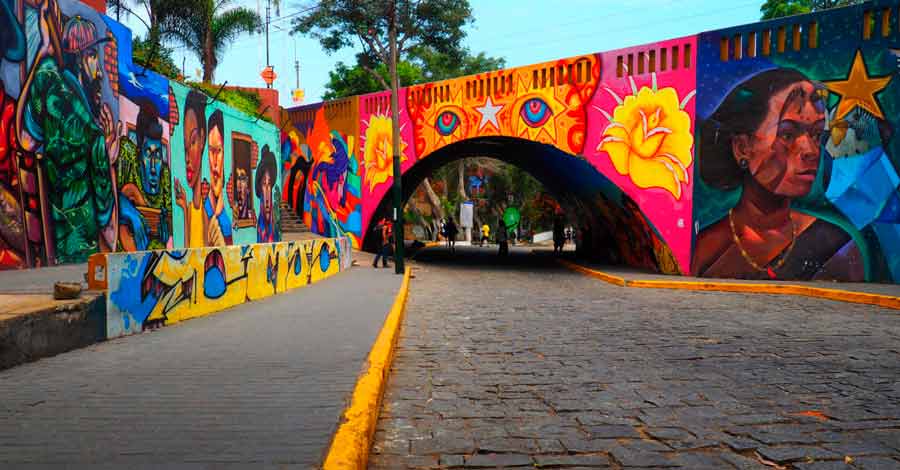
point(93, 154)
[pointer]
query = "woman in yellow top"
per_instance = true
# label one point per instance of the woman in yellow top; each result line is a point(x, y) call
point(485, 234)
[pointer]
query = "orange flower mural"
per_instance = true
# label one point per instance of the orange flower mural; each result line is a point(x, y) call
point(649, 138)
point(379, 150)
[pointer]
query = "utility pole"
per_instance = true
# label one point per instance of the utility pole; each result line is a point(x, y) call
point(268, 16)
point(395, 115)
point(297, 68)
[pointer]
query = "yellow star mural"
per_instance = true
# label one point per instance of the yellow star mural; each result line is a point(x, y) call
point(858, 89)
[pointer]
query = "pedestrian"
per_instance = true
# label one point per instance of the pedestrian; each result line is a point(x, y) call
point(451, 234)
point(386, 236)
point(485, 234)
point(559, 235)
point(503, 238)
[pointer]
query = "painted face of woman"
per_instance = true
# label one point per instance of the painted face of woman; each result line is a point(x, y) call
point(783, 153)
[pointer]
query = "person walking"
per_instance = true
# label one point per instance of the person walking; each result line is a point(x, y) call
point(451, 234)
point(559, 235)
point(485, 234)
point(386, 235)
point(503, 239)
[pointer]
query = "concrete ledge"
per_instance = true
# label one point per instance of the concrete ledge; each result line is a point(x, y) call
point(350, 447)
point(33, 326)
point(880, 300)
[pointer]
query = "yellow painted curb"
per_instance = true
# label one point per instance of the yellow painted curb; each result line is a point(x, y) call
point(880, 300)
point(353, 439)
point(594, 273)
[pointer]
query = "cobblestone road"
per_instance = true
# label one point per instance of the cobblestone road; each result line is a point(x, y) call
point(528, 365)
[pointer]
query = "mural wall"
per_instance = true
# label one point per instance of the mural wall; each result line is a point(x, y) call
point(797, 150)
point(762, 152)
point(167, 286)
point(322, 168)
point(220, 200)
point(92, 147)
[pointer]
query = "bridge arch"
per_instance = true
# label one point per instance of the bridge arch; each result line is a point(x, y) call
point(616, 229)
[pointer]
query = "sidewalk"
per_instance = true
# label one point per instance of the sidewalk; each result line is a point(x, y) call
point(632, 274)
point(258, 385)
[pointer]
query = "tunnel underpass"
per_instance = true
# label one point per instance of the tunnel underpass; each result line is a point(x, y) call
point(611, 228)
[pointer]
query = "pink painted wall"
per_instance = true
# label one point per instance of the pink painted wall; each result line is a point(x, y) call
point(641, 138)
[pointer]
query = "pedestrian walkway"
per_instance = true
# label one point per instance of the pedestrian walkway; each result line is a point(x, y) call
point(630, 274)
point(261, 385)
point(525, 364)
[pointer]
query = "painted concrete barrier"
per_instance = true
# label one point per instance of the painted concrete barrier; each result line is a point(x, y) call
point(154, 288)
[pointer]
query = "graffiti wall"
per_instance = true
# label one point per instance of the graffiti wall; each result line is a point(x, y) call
point(92, 147)
point(322, 168)
point(226, 181)
point(765, 151)
point(640, 135)
point(797, 151)
point(162, 287)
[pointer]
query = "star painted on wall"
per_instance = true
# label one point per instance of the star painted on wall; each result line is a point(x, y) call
point(489, 113)
point(858, 89)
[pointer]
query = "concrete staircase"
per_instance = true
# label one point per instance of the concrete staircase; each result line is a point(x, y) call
point(290, 222)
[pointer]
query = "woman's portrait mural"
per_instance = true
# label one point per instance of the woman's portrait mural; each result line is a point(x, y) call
point(797, 161)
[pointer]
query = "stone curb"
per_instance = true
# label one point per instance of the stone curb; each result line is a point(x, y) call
point(880, 300)
point(351, 443)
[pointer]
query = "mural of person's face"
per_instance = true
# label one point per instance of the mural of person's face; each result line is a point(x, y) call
point(216, 160)
point(193, 147)
point(92, 78)
point(243, 190)
point(783, 153)
point(151, 165)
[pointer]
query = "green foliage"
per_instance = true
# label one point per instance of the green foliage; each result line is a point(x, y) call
point(338, 24)
point(346, 81)
point(160, 60)
point(245, 101)
point(780, 8)
point(207, 28)
point(424, 65)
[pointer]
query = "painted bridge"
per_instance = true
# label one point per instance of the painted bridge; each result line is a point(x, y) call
point(759, 151)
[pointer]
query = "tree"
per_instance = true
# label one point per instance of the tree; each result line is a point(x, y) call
point(154, 56)
point(387, 30)
point(208, 27)
point(346, 81)
point(780, 8)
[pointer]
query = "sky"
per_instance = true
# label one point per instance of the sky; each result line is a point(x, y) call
point(520, 31)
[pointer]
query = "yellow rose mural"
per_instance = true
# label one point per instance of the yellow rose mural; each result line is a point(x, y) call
point(379, 150)
point(649, 139)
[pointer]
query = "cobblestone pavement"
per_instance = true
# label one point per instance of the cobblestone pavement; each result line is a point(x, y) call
point(529, 365)
point(261, 385)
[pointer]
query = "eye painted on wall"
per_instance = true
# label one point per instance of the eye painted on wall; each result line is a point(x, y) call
point(535, 112)
point(446, 123)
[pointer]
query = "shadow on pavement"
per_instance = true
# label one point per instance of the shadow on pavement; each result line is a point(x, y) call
point(520, 258)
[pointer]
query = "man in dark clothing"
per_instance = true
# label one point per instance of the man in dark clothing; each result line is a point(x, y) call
point(503, 238)
point(451, 234)
point(384, 232)
point(559, 236)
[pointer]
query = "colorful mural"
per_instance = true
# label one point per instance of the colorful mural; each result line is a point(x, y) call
point(91, 147)
point(213, 193)
point(761, 152)
point(162, 287)
point(326, 175)
point(640, 136)
point(797, 154)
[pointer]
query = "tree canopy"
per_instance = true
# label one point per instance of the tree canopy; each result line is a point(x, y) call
point(424, 65)
point(780, 8)
point(435, 25)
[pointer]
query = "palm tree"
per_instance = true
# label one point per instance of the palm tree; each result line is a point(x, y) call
point(208, 27)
